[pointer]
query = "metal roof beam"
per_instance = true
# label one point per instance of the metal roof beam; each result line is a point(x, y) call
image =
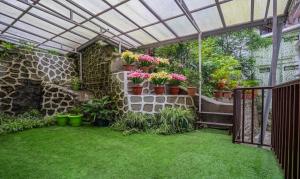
point(267, 10)
point(220, 13)
point(181, 4)
point(252, 11)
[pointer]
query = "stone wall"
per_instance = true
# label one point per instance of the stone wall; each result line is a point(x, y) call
point(22, 73)
point(148, 102)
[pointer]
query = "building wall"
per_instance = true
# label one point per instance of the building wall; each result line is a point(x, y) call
point(288, 65)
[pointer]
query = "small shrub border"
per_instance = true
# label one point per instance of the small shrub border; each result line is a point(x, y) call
point(168, 121)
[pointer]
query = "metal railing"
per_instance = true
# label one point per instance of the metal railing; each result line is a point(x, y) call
point(283, 127)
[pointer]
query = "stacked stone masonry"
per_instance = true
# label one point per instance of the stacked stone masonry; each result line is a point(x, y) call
point(27, 79)
point(148, 102)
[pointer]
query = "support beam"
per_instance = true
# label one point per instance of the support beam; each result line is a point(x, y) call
point(200, 70)
point(120, 47)
point(277, 32)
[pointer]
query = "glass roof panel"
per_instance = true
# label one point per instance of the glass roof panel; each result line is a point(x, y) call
point(74, 37)
point(53, 49)
point(259, 9)
point(160, 32)
point(181, 26)
point(94, 6)
point(208, 19)
point(74, 8)
point(57, 45)
point(137, 12)
point(78, 18)
point(87, 33)
point(117, 20)
point(196, 4)
point(165, 8)
point(236, 11)
point(5, 9)
point(56, 7)
point(52, 18)
point(66, 42)
point(142, 36)
point(6, 19)
point(40, 23)
point(32, 29)
point(25, 35)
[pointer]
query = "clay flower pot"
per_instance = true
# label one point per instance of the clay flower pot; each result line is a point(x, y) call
point(137, 90)
point(174, 90)
point(218, 94)
point(159, 90)
point(192, 91)
point(145, 69)
point(227, 94)
point(128, 67)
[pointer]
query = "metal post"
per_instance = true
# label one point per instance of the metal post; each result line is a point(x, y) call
point(120, 47)
point(297, 46)
point(277, 32)
point(200, 64)
point(80, 66)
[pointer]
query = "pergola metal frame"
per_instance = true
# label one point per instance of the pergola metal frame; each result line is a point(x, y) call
point(116, 39)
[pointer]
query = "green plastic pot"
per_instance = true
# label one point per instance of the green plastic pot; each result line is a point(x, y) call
point(75, 120)
point(61, 120)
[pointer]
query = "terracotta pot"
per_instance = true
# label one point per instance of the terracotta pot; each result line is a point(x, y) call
point(145, 69)
point(128, 67)
point(159, 90)
point(137, 90)
point(218, 94)
point(174, 90)
point(221, 85)
point(227, 94)
point(192, 91)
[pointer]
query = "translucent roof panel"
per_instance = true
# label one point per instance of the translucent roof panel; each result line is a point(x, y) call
point(6, 19)
point(2, 27)
point(208, 19)
point(236, 11)
point(281, 4)
point(95, 6)
point(74, 8)
point(42, 24)
point(66, 42)
point(105, 26)
point(84, 32)
point(142, 36)
point(129, 40)
point(160, 32)
point(32, 29)
point(138, 12)
point(182, 26)
point(54, 49)
point(196, 4)
point(60, 9)
point(165, 8)
point(6, 9)
point(117, 20)
point(259, 9)
point(114, 2)
point(25, 35)
point(57, 45)
point(74, 37)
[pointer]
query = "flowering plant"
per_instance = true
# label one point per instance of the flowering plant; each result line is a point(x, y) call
point(129, 57)
point(176, 79)
point(162, 62)
point(159, 78)
point(138, 76)
point(146, 60)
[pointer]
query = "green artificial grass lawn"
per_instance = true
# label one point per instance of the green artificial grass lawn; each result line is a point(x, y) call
point(86, 152)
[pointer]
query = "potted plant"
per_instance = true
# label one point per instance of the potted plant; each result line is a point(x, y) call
point(248, 93)
point(75, 84)
point(159, 79)
point(137, 77)
point(100, 111)
point(193, 79)
point(175, 81)
point(232, 84)
point(129, 58)
point(75, 116)
point(61, 119)
point(161, 63)
point(145, 62)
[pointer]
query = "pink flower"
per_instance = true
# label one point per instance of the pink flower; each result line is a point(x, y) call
point(146, 58)
point(138, 74)
point(178, 77)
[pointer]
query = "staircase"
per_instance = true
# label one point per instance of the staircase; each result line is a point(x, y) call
point(215, 114)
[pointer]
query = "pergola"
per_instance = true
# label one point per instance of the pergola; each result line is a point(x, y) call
point(70, 25)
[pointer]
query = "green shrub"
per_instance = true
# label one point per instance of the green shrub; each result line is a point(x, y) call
point(134, 122)
point(175, 120)
point(168, 121)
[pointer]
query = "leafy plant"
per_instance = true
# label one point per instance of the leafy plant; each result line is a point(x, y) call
point(75, 83)
point(76, 110)
point(159, 78)
point(175, 120)
point(101, 109)
point(5, 48)
point(193, 78)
